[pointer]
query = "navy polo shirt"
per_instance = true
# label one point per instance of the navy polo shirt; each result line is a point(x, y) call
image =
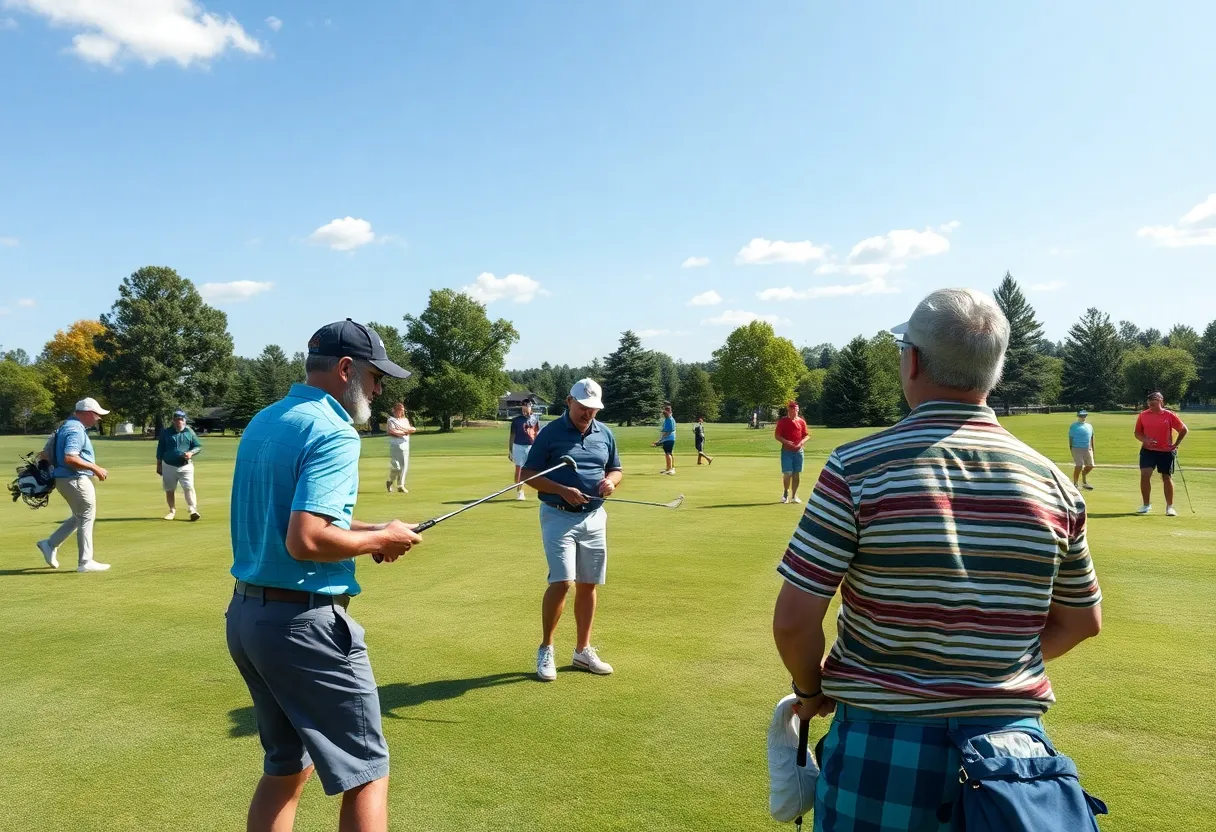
point(594, 454)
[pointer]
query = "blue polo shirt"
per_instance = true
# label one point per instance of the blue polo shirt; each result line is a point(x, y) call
point(72, 439)
point(594, 454)
point(299, 454)
point(1080, 434)
point(668, 428)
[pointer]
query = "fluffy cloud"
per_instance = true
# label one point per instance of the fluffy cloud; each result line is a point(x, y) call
point(1053, 286)
point(1196, 228)
point(873, 286)
point(233, 292)
point(517, 287)
point(760, 251)
point(694, 262)
point(111, 31)
point(9, 242)
point(710, 298)
point(26, 303)
point(274, 23)
point(897, 247)
point(738, 317)
point(346, 234)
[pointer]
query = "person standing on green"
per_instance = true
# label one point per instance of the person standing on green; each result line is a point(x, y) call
point(667, 440)
point(1081, 443)
point(175, 455)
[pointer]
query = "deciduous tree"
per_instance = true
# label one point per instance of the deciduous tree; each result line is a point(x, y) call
point(756, 367)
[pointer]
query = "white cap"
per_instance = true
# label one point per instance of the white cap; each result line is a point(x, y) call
point(587, 393)
point(91, 406)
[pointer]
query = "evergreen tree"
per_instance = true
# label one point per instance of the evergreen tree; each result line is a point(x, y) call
point(887, 395)
point(1129, 334)
point(809, 395)
point(849, 387)
point(1183, 337)
point(1205, 387)
point(1093, 357)
point(392, 390)
point(244, 398)
point(1025, 372)
point(819, 357)
point(1149, 338)
point(632, 386)
point(696, 396)
point(273, 373)
point(669, 376)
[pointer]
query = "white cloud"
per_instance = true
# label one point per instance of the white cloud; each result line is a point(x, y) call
point(7, 24)
point(274, 23)
point(9, 242)
point(1053, 286)
point(26, 303)
point(898, 246)
point(948, 227)
point(738, 317)
point(111, 31)
point(760, 251)
point(694, 262)
point(873, 286)
point(234, 292)
point(345, 234)
point(517, 287)
point(710, 298)
point(1196, 228)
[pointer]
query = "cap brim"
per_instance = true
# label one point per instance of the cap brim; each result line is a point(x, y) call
point(899, 329)
point(101, 412)
point(595, 404)
point(390, 369)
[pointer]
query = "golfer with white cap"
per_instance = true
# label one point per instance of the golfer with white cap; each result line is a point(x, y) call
point(71, 452)
point(573, 523)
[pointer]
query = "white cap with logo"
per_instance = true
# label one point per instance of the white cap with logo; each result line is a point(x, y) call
point(90, 405)
point(587, 393)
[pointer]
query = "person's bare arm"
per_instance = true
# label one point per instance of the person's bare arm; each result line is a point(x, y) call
point(1182, 432)
point(1067, 627)
point(610, 482)
point(315, 537)
point(798, 634)
point(74, 461)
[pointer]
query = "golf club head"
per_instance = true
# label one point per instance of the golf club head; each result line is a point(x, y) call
point(677, 502)
point(568, 460)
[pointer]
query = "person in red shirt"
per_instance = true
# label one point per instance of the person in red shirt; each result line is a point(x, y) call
point(1155, 429)
point(792, 432)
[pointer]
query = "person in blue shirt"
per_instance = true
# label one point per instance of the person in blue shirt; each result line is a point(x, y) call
point(1081, 444)
point(667, 440)
point(175, 453)
point(573, 523)
point(520, 438)
point(294, 544)
point(71, 452)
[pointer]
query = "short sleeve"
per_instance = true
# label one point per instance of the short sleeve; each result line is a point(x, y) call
point(73, 442)
point(538, 456)
point(1175, 421)
point(614, 458)
point(1140, 423)
point(49, 448)
point(328, 476)
point(1076, 583)
point(825, 541)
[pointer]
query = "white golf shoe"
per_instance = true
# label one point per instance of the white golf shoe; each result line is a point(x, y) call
point(1145, 509)
point(170, 515)
point(48, 554)
point(588, 659)
point(546, 668)
point(520, 496)
point(92, 566)
point(785, 498)
point(1170, 512)
point(795, 500)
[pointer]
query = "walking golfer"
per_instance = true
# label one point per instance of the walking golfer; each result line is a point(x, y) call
point(520, 437)
point(399, 432)
point(667, 440)
point(1155, 429)
point(792, 432)
point(70, 451)
point(294, 540)
point(573, 523)
point(1081, 443)
point(698, 434)
point(175, 453)
point(961, 559)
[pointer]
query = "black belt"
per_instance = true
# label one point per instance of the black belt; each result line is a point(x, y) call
point(291, 596)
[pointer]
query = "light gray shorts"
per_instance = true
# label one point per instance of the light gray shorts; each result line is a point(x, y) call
point(576, 544)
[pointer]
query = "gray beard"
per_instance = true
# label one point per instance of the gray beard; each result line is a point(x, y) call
point(358, 405)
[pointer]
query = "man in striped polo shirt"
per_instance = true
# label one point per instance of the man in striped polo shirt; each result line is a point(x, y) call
point(962, 564)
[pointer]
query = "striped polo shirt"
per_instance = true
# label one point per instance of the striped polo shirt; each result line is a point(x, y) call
point(949, 539)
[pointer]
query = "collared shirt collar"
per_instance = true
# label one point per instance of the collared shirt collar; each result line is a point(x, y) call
point(942, 409)
point(316, 394)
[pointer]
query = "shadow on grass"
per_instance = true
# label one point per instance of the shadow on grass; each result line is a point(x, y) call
point(1110, 515)
point(397, 696)
point(742, 505)
point(129, 520)
point(36, 570)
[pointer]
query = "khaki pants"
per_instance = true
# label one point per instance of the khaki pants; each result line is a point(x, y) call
point(398, 463)
point(82, 498)
point(170, 477)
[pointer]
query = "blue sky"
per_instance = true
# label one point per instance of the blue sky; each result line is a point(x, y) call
point(831, 162)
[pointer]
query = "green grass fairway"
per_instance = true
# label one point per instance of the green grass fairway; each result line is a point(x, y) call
point(122, 710)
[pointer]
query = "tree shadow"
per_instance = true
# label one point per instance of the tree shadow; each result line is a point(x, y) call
point(396, 696)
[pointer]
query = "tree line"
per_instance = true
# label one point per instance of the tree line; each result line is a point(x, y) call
point(160, 347)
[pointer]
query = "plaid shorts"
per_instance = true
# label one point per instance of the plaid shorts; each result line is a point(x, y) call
point(891, 773)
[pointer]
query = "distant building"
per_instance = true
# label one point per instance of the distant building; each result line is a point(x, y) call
point(510, 403)
point(210, 420)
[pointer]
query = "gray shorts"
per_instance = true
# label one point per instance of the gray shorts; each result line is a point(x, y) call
point(576, 544)
point(314, 696)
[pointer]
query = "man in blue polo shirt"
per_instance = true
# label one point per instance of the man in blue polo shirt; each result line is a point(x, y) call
point(573, 523)
point(71, 452)
point(294, 540)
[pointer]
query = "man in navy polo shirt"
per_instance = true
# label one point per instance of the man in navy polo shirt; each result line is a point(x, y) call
point(573, 523)
point(294, 541)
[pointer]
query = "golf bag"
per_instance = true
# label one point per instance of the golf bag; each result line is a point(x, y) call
point(35, 482)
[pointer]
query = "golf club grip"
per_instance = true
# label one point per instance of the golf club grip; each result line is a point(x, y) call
point(421, 527)
point(804, 736)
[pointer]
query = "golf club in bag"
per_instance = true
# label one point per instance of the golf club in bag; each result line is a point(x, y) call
point(1182, 477)
point(423, 526)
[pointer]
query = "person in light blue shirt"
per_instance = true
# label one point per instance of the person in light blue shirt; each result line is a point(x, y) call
point(70, 451)
point(667, 440)
point(294, 541)
point(1081, 444)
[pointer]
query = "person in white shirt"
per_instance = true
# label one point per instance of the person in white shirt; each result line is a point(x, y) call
point(399, 430)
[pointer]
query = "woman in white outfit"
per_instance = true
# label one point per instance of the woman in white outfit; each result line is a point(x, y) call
point(399, 430)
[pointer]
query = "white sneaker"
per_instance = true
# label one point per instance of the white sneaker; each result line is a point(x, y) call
point(1145, 509)
point(1169, 512)
point(588, 659)
point(92, 566)
point(546, 669)
point(795, 500)
point(170, 515)
point(785, 498)
point(403, 490)
point(48, 554)
point(1087, 486)
point(520, 496)
point(672, 472)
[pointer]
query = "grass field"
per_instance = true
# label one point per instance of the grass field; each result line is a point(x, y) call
point(122, 710)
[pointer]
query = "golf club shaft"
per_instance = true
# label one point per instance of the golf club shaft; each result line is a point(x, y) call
point(631, 502)
point(1182, 476)
point(426, 524)
point(804, 736)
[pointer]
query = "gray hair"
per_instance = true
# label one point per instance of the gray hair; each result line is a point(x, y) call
point(327, 363)
point(960, 336)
